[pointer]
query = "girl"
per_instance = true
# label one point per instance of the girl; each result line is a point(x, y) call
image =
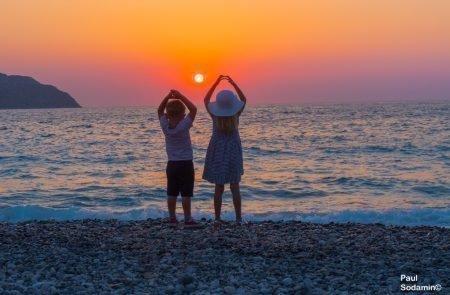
point(223, 162)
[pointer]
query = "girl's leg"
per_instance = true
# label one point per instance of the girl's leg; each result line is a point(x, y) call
point(235, 190)
point(218, 199)
point(172, 204)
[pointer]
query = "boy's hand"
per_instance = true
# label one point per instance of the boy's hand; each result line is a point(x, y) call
point(176, 94)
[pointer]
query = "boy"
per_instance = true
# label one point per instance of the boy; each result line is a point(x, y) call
point(180, 168)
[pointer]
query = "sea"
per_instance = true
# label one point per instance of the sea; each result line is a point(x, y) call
point(368, 163)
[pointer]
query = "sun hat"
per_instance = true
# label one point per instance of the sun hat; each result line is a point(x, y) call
point(227, 104)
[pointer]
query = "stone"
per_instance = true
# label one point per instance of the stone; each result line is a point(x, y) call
point(287, 281)
point(186, 279)
point(229, 290)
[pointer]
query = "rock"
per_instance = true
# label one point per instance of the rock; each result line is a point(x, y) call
point(287, 281)
point(17, 92)
point(170, 289)
point(229, 289)
point(11, 265)
point(179, 288)
point(307, 288)
point(43, 288)
point(189, 288)
point(148, 275)
point(186, 279)
point(214, 284)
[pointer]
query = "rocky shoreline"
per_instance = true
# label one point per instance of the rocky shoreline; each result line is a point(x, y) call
point(147, 257)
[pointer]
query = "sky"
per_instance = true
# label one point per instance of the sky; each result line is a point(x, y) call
point(131, 53)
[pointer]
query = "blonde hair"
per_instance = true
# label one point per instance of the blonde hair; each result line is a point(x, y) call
point(175, 108)
point(227, 124)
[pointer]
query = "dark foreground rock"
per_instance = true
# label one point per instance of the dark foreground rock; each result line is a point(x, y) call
point(21, 92)
point(147, 257)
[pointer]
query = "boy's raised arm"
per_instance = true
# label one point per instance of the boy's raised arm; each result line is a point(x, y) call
point(191, 107)
point(163, 104)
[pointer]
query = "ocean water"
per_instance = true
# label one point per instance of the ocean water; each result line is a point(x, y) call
point(387, 163)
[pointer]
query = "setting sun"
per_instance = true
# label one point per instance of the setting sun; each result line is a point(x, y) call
point(199, 78)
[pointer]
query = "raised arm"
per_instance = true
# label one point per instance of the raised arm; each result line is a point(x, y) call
point(191, 107)
point(163, 104)
point(239, 92)
point(211, 91)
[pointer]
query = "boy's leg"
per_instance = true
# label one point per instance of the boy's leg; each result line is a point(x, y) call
point(218, 200)
point(172, 189)
point(172, 205)
point(235, 191)
point(187, 188)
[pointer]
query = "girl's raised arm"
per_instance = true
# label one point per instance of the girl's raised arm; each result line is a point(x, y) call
point(211, 91)
point(239, 92)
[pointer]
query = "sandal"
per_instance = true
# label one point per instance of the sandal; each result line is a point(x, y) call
point(241, 222)
point(218, 223)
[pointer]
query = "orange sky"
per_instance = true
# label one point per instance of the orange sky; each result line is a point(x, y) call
point(131, 52)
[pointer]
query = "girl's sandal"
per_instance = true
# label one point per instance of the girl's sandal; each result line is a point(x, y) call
point(241, 222)
point(218, 223)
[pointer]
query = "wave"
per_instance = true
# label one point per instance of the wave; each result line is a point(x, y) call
point(433, 190)
point(84, 126)
point(361, 182)
point(47, 135)
point(408, 217)
point(35, 212)
point(442, 148)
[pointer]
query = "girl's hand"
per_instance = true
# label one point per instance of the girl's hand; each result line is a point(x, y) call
point(230, 80)
point(222, 77)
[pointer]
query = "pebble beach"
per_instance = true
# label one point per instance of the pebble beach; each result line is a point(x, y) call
point(148, 257)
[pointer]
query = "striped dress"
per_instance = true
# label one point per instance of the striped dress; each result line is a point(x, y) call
point(223, 163)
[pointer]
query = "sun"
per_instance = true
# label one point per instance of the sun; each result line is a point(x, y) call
point(199, 78)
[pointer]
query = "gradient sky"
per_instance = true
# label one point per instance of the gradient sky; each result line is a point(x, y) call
point(110, 52)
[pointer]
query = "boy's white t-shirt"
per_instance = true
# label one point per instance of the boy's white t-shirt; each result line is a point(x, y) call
point(178, 139)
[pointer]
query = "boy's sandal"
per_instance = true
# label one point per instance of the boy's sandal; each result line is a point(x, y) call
point(172, 223)
point(192, 223)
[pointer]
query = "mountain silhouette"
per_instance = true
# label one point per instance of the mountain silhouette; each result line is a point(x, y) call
point(21, 92)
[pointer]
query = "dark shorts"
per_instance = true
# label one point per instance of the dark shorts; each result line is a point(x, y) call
point(180, 178)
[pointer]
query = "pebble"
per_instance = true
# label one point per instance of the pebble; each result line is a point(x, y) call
point(114, 257)
point(229, 289)
point(307, 286)
point(287, 281)
point(186, 279)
